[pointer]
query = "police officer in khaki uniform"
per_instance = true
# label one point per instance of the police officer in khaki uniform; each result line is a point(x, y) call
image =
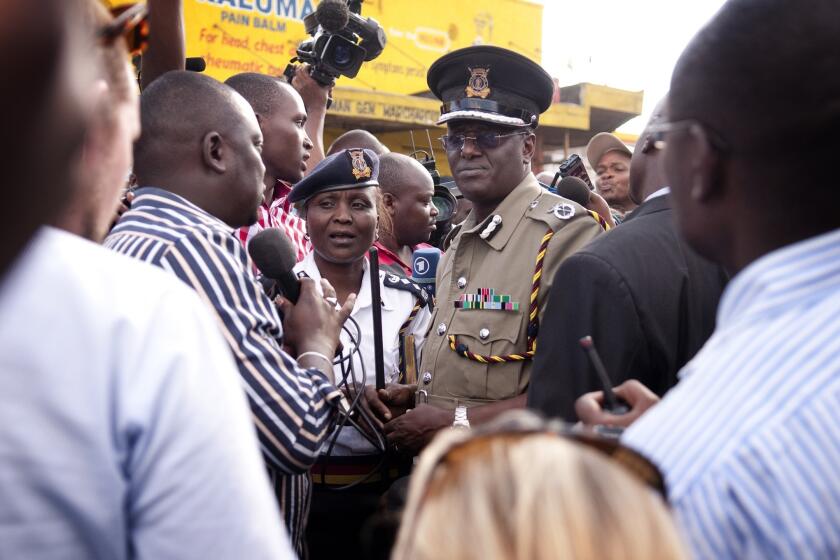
point(493, 280)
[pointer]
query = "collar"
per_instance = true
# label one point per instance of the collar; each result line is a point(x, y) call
point(385, 251)
point(281, 189)
point(512, 210)
point(792, 274)
point(650, 206)
point(160, 199)
point(363, 298)
point(655, 194)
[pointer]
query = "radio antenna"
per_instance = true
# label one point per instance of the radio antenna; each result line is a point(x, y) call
point(431, 146)
point(413, 146)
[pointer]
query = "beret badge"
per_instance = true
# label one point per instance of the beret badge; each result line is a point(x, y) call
point(361, 169)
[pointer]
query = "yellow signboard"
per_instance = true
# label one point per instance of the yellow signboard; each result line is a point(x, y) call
point(261, 35)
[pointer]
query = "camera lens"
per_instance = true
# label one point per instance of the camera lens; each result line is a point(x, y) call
point(342, 56)
point(445, 207)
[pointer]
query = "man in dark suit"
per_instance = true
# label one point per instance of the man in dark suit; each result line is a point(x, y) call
point(647, 300)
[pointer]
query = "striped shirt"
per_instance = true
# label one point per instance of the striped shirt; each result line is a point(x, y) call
point(280, 214)
point(749, 441)
point(291, 407)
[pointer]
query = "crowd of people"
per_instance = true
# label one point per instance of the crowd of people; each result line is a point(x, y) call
point(212, 344)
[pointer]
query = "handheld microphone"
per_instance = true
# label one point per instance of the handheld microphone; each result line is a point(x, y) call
point(195, 64)
point(424, 263)
point(574, 189)
point(275, 256)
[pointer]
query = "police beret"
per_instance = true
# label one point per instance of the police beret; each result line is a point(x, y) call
point(490, 84)
point(348, 169)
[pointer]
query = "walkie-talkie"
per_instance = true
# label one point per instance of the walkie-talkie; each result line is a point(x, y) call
point(612, 403)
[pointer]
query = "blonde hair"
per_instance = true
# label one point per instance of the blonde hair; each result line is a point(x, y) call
point(530, 497)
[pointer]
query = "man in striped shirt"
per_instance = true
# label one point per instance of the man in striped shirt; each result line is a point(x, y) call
point(207, 175)
point(749, 441)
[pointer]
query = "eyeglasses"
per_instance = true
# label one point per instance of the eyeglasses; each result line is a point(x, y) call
point(656, 135)
point(130, 23)
point(484, 140)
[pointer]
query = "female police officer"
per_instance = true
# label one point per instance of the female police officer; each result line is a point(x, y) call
point(338, 200)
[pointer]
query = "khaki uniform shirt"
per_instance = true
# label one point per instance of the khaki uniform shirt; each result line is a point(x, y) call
point(505, 263)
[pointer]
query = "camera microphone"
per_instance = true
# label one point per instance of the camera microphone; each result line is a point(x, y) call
point(275, 256)
point(332, 15)
point(574, 189)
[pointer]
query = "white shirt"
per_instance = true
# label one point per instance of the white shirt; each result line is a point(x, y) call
point(124, 430)
point(396, 307)
point(657, 193)
point(749, 440)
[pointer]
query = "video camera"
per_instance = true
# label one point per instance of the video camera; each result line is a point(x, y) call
point(341, 41)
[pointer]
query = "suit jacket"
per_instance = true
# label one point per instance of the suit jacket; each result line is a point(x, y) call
point(648, 301)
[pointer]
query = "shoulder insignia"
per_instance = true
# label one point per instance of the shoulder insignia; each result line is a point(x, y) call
point(563, 210)
point(398, 283)
point(554, 211)
point(302, 274)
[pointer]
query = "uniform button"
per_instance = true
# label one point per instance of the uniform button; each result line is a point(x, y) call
point(442, 329)
point(484, 333)
point(462, 282)
point(427, 378)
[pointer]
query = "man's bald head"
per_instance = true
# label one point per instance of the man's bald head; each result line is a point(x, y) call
point(282, 117)
point(407, 192)
point(358, 138)
point(398, 172)
point(647, 174)
point(176, 111)
point(754, 106)
point(264, 93)
point(200, 140)
point(762, 72)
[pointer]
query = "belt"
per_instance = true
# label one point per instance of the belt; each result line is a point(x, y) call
point(343, 470)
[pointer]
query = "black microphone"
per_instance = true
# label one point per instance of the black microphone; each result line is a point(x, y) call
point(275, 256)
point(574, 189)
point(424, 263)
point(332, 15)
point(195, 64)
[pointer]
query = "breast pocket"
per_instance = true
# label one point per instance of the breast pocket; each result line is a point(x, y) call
point(487, 333)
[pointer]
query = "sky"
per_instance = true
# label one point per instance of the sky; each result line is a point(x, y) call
point(623, 44)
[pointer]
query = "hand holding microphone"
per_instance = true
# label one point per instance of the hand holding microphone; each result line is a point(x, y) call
point(312, 321)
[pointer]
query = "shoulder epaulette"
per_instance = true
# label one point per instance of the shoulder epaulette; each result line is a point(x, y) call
point(399, 283)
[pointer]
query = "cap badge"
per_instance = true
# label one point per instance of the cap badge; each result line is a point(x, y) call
point(478, 86)
point(360, 166)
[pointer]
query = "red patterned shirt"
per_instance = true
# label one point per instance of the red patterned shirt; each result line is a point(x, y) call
point(280, 214)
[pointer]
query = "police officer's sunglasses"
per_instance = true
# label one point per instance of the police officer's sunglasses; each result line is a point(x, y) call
point(131, 23)
point(484, 140)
